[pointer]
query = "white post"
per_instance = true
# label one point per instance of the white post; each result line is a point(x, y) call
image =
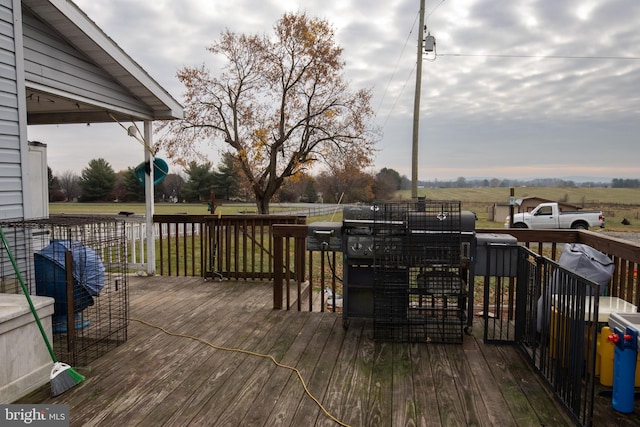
point(149, 200)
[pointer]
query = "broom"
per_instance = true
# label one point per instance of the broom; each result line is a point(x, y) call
point(63, 377)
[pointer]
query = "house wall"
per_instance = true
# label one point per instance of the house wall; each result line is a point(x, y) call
point(11, 156)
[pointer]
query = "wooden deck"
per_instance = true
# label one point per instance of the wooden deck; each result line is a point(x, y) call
point(159, 379)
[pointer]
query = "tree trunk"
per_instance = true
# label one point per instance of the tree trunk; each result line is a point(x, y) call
point(262, 204)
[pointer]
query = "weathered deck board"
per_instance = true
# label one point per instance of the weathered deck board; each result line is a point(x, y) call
point(424, 394)
point(158, 379)
point(469, 393)
point(449, 404)
point(345, 376)
point(328, 370)
point(491, 396)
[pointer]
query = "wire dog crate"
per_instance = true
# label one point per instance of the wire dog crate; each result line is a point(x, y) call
point(420, 289)
point(81, 262)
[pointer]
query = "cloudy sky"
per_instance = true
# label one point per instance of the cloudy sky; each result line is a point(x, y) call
point(516, 89)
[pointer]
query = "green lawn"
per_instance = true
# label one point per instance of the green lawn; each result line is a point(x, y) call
point(139, 208)
point(616, 203)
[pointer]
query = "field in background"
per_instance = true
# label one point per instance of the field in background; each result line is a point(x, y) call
point(591, 197)
point(616, 203)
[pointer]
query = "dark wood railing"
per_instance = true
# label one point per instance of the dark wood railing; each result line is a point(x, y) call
point(314, 271)
point(291, 239)
point(273, 247)
point(226, 246)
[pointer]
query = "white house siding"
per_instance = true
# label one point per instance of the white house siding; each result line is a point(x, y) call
point(51, 62)
point(11, 196)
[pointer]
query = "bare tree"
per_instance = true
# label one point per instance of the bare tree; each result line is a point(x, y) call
point(70, 184)
point(344, 181)
point(172, 186)
point(281, 104)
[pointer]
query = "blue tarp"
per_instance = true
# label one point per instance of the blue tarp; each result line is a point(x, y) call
point(88, 269)
point(88, 273)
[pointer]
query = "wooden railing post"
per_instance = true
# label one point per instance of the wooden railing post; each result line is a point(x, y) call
point(298, 232)
point(278, 267)
point(300, 251)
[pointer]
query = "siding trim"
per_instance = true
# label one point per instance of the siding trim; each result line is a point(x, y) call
point(22, 108)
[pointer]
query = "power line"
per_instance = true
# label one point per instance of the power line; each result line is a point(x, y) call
point(434, 9)
point(482, 55)
point(397, 65)
point(398, 97)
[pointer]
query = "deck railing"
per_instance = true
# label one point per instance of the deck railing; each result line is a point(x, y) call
point(552, 315)
point(227, 246)
point(302, 276)
point(274, 247)
point(625, 254)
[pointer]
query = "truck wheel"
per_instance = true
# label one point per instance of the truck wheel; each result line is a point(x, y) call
point(520, 225)
point(580, 226)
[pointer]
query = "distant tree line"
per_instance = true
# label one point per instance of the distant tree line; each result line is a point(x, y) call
point(344, 183)
point(98, 182)
point(462, 182)
point(625, 183)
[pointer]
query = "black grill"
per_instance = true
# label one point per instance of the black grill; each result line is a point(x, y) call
point(416, 254)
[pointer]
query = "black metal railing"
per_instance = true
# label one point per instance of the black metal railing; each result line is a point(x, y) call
point(552, 315)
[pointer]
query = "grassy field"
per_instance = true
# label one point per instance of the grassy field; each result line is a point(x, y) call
point(160, 208)
point(137, 208)
point(616, 203)
point(575, 195)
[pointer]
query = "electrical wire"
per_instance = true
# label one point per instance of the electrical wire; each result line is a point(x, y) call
point(137, 135)
point(332, 267)
point(399, 94)
point(395, 103)
point(250, 353)
point(393, 74)
point(433, 10)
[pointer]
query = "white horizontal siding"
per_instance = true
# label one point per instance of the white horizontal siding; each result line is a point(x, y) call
point(51, 61)
point(11, 196)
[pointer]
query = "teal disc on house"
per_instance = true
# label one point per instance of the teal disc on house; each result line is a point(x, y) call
point(160, 171)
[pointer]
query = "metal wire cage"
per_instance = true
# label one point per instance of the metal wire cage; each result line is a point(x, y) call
point(81, 262)
point(419, 289)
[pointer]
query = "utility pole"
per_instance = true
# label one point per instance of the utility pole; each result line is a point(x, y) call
point(416, 107)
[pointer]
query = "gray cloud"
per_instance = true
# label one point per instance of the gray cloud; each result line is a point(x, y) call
point(531, 88)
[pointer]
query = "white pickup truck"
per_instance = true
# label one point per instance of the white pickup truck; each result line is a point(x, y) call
point(548, 215)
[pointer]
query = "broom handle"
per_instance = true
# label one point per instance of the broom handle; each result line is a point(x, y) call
point(26, 293)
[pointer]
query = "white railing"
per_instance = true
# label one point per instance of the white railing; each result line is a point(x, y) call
point(135, 232)
point(135, 229)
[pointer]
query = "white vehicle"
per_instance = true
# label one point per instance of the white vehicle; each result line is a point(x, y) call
point(548, 215)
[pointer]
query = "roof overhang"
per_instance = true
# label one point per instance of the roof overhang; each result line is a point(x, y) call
point(57, 106)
